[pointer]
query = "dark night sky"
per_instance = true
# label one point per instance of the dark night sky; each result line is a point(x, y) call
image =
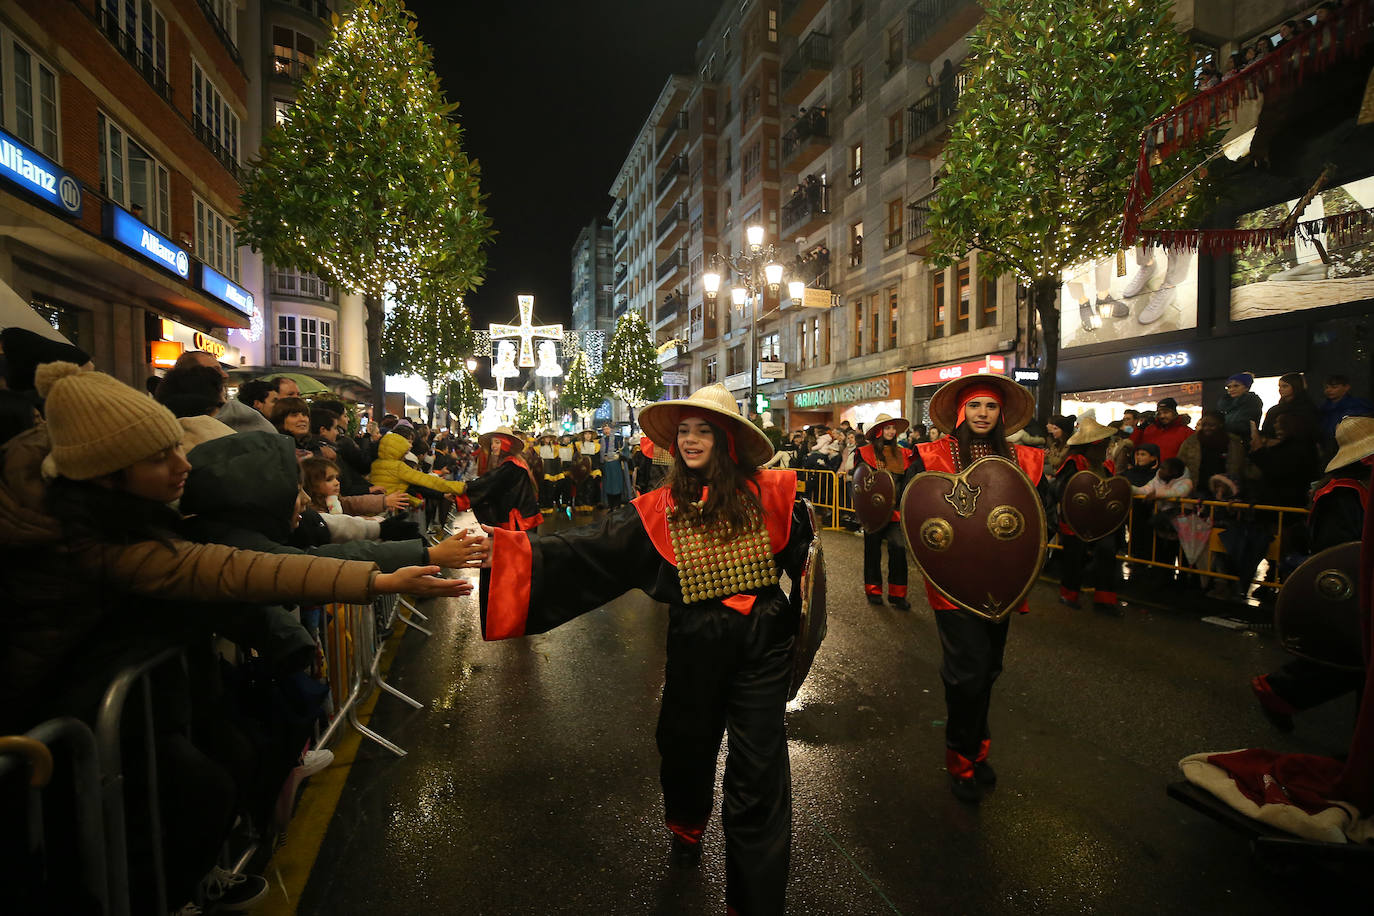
point(551, 95)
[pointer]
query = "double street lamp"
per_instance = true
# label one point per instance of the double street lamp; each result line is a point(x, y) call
point(750, 270)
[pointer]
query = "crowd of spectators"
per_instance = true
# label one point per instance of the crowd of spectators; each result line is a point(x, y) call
point(220, 526)
point(1311, 31)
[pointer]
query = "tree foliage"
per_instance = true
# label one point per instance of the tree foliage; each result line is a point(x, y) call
point(461, 395)
point(366, 183)
point(1043, 148)
point(532, 410)
point(630, 366)
point(429, 338)
point(583, 390)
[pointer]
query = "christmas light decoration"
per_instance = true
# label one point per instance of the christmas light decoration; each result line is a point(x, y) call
point(526, 331)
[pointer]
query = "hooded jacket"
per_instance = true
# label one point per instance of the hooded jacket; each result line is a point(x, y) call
point(242, 491)
point(72, 609)
point(394, 475)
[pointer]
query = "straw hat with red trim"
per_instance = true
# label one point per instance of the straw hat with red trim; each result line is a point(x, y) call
point(1089, 430)
point(874, 431)
point(1018, 404)
point(1354, 441)
point(716, 404)
point(511, 444)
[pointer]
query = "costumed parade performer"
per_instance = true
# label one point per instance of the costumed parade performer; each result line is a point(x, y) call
point(980, 542)
point(710, 544)
point(551, 476)
point(505, 493)
point(882, 523)
point(1098, 503)
point(587, 478)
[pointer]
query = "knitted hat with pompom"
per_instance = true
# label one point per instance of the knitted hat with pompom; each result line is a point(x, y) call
point(97, 424)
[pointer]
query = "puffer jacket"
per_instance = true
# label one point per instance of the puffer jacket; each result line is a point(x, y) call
point(242, 491)
point(73, 610)
point(394, 475)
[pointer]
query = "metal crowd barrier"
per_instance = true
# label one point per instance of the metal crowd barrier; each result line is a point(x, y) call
point(353, 659)
point(828, 492)
point(67, 739)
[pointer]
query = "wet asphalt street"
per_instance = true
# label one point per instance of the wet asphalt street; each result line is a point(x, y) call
point(531, 786)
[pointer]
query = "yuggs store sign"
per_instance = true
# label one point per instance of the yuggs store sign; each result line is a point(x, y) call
point(871, 390)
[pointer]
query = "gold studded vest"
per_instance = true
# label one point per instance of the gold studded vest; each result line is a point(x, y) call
point(708, 566)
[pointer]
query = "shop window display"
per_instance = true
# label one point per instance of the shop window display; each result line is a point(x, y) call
point(1111, 403)
point(1156, 292)
point(1314, 270)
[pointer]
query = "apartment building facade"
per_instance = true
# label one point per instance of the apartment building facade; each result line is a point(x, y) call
point(593, 278)
point(120, 165)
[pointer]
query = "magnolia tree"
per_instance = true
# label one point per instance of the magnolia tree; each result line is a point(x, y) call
point(1044, 145)
point(630, 366)
point(429, 336)
point(532, 411)
point(366, 182)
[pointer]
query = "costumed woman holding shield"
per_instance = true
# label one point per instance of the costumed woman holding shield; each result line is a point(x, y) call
point(1093, 505)
point(975, 525)
point(710, 543)
point(878, 481)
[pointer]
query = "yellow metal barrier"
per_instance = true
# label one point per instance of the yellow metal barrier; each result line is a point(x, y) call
point(825, 490)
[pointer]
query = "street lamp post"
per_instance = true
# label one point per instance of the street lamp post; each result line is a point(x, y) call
point(750, 270)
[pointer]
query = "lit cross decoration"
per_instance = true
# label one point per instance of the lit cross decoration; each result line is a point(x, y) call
point(526, 330)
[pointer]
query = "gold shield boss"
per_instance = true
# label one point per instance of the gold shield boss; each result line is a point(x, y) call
point(978, 536)
point(1095, 506)
point(875, 497)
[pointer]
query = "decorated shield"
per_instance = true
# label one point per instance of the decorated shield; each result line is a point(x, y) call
point(1095, 506)
point(1317, 616)
point(875, 497)
point(978, 536)
point(579, 469)
point(808, 595)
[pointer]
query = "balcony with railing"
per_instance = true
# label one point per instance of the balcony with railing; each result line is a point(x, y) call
point(796, 14)
point(892, 239)
point(676, 171)
point(293, 69)
point(284, 281)
point(807, 210)
point(934, 25)
point(669, 266)
point(617, 210)
point(226, 156)
point(807, 66)
point(143, 59)
point(669, 308)
point(814, 268)
point(225, 38)
point(673, 136)
point(918, 237)
point(806, 139)
point(671, 227)
point(931, 115)
point(622, 272)
point(622, 238)
point(856, 252)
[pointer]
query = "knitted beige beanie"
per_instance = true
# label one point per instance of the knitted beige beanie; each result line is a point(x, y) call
point(97, 424)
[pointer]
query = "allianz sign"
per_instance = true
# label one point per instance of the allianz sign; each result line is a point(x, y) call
point(38, 176)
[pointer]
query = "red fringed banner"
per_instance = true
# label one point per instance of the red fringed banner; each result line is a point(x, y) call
point(1340, 229)
point(1344, 35)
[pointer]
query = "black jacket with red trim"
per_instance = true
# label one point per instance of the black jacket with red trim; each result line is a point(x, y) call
point(538, 582)
point(506, 497)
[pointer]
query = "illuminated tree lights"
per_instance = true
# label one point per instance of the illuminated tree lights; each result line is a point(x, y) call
point(1039, 157)
point(630, 367)
point(366, 181)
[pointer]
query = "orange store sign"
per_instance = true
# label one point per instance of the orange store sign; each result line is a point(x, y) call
point(988, 365)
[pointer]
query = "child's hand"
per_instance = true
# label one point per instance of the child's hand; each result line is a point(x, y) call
point(466, 548)
point(397, 501)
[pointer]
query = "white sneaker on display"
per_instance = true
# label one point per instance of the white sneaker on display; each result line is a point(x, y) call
point(1314, 271)
point(1140, 280)
point(1160, 300)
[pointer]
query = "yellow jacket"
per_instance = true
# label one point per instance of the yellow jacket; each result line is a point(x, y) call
point(394, 475)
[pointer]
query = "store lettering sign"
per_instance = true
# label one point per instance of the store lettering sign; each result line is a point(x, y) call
point(873, 389)
point(216, 348)
point(39, 176)
point(226, 290)
point(990, 364)
point(138, 237)
point(1175, 360)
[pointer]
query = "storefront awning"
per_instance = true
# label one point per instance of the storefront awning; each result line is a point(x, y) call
point(16, 313)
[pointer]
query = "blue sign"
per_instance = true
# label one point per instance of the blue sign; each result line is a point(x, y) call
point(603, 412)
point(1175, 360)
point(141, 239)
point(226, 290)
point(38, 176)
point(1026, 376)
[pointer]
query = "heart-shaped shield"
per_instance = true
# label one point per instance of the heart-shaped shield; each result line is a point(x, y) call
point(1317, 616)
point(978, 536)
point(1094, 506)
point(875, 497)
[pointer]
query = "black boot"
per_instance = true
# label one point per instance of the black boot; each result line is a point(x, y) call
point(685, 852)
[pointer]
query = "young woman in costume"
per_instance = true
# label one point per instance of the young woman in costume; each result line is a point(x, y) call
point(587, 491)
point(977, 414)
point(710, 543)
point(884, 454)
point(1087, 451)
